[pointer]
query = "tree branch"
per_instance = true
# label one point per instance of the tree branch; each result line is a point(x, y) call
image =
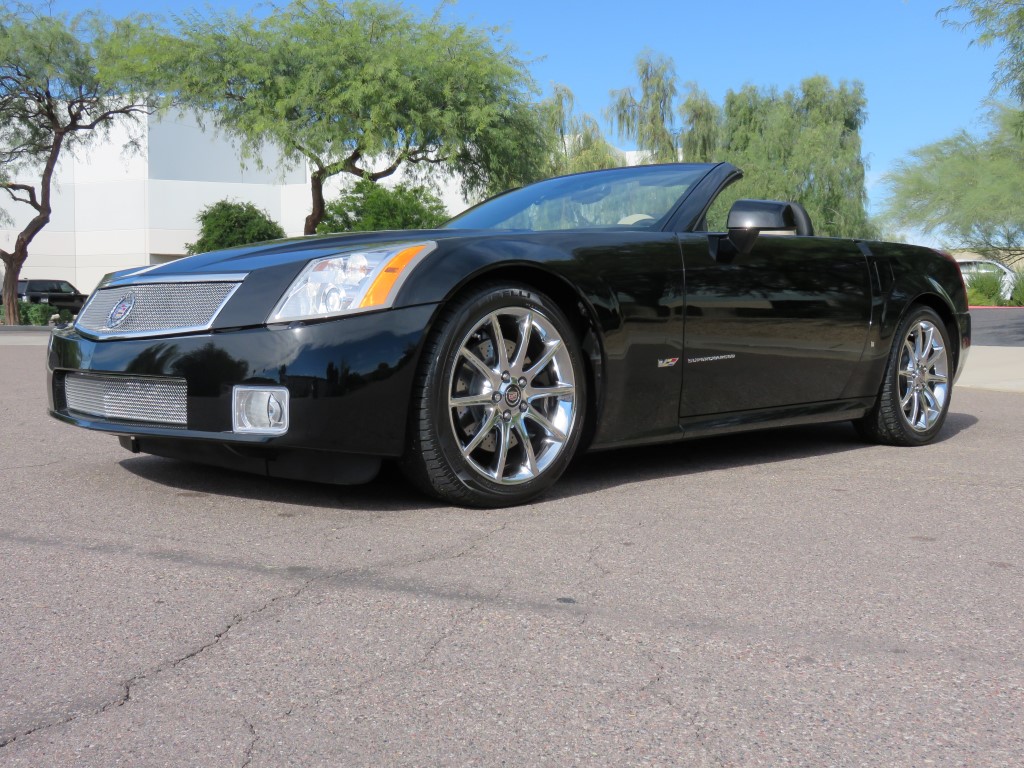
point(11, 188)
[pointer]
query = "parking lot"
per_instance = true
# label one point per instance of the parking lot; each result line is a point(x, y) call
point(785, 598)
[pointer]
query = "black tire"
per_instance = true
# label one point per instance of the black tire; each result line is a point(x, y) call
point(918, 384)
point(517, 438)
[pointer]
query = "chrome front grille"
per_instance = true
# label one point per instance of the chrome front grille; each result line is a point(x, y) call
point(154, 309)
point(128, 398)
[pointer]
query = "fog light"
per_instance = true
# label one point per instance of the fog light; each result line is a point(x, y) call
point(260, 410)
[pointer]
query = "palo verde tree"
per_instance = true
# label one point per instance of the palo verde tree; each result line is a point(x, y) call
point(996, 22)
point(577, 141)
point(364, 88)
point(63, 81)
point(966, 190)
point(648, 119)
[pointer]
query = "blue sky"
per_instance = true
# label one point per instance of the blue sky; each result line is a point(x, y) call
point(923, 80)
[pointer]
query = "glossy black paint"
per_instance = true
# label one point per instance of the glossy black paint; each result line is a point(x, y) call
point(348, 379)
point(785, 324)
point(686, 336)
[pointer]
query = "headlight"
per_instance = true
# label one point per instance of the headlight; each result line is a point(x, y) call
point(352, 282)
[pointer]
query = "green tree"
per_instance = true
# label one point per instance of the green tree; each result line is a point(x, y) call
point(577, 142)
point(649, 119)
point(63, 81)
point(363, 87)
point(996, 22)
point(369, 207)
point(702, 126)
point(800, 145)
point(966, 190)
point(227, 224)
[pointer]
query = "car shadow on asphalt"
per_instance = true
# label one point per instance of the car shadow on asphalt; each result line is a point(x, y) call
point(606, 469)
point(588, 474)
point(388, 492)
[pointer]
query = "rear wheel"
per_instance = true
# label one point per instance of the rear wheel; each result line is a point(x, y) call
point(914, 400)
point(499, 402)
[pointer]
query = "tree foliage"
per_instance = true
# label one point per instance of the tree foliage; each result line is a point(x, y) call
point(966, 190)
point(577, 142)
point(370, 207)
point(998, 22)
point(63, 81)
point(363, 87)
point(702, 126)
point(800, 145)
point(227, 224)
point(648, 119)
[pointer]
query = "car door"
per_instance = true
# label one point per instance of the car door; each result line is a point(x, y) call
point(784, 324)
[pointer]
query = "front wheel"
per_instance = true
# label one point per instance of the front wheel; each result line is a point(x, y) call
point(914, 399)
point(499, 402)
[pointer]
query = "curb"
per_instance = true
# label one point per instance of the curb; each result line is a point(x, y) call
point(25, 328)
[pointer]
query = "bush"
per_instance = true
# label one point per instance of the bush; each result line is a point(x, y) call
point(227, 225)
point(35, 314)
point(1017, 294)
point(369, 207)
point(985, 289)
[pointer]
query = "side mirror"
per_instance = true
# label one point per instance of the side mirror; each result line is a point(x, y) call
point(749, 218)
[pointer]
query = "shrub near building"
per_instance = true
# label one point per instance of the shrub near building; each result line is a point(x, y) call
point(227, 225)
point(370, 207)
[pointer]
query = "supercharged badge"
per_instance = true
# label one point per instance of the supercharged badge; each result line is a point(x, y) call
point(710, 358)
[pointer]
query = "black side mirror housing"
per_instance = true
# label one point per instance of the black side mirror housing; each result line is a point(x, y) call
point(749, 218)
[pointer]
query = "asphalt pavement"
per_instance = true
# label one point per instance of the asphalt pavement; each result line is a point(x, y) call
point(789, 597)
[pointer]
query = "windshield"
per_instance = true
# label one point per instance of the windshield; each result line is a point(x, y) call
point(639, 197)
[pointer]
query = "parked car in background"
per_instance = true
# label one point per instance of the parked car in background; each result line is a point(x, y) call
point(59, 293)
point(970, 267)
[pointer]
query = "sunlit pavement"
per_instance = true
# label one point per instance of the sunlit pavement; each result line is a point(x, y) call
point(996, 368)
point(789, 597)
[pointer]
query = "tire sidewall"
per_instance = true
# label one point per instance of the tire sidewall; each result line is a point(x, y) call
point(892, 383)
point(438, 380)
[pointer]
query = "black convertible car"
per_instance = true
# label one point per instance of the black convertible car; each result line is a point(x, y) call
point(588, 311)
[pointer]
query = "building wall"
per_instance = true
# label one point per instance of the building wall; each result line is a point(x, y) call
point(114, 208)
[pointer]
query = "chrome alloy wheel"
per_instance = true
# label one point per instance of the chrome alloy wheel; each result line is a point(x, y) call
point(512, 395)
point(923, 376)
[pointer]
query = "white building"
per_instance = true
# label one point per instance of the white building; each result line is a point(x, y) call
point(115, 209)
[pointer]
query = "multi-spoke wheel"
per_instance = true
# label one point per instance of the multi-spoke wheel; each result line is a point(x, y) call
point(501, 398)
point(915, 393)
point(923, 376)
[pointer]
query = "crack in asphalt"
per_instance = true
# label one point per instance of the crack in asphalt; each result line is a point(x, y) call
point(128, 685)
point(251, 747)
point(456, 624)
point(466, 549)
point(593, 561)
point(701, 733)
point(29, 466)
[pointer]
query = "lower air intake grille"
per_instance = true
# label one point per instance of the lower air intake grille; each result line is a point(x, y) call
point(128, 398)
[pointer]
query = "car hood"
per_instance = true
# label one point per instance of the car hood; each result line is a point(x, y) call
point(274, 253)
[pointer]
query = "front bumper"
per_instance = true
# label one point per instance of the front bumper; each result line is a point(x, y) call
point(349, 380)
